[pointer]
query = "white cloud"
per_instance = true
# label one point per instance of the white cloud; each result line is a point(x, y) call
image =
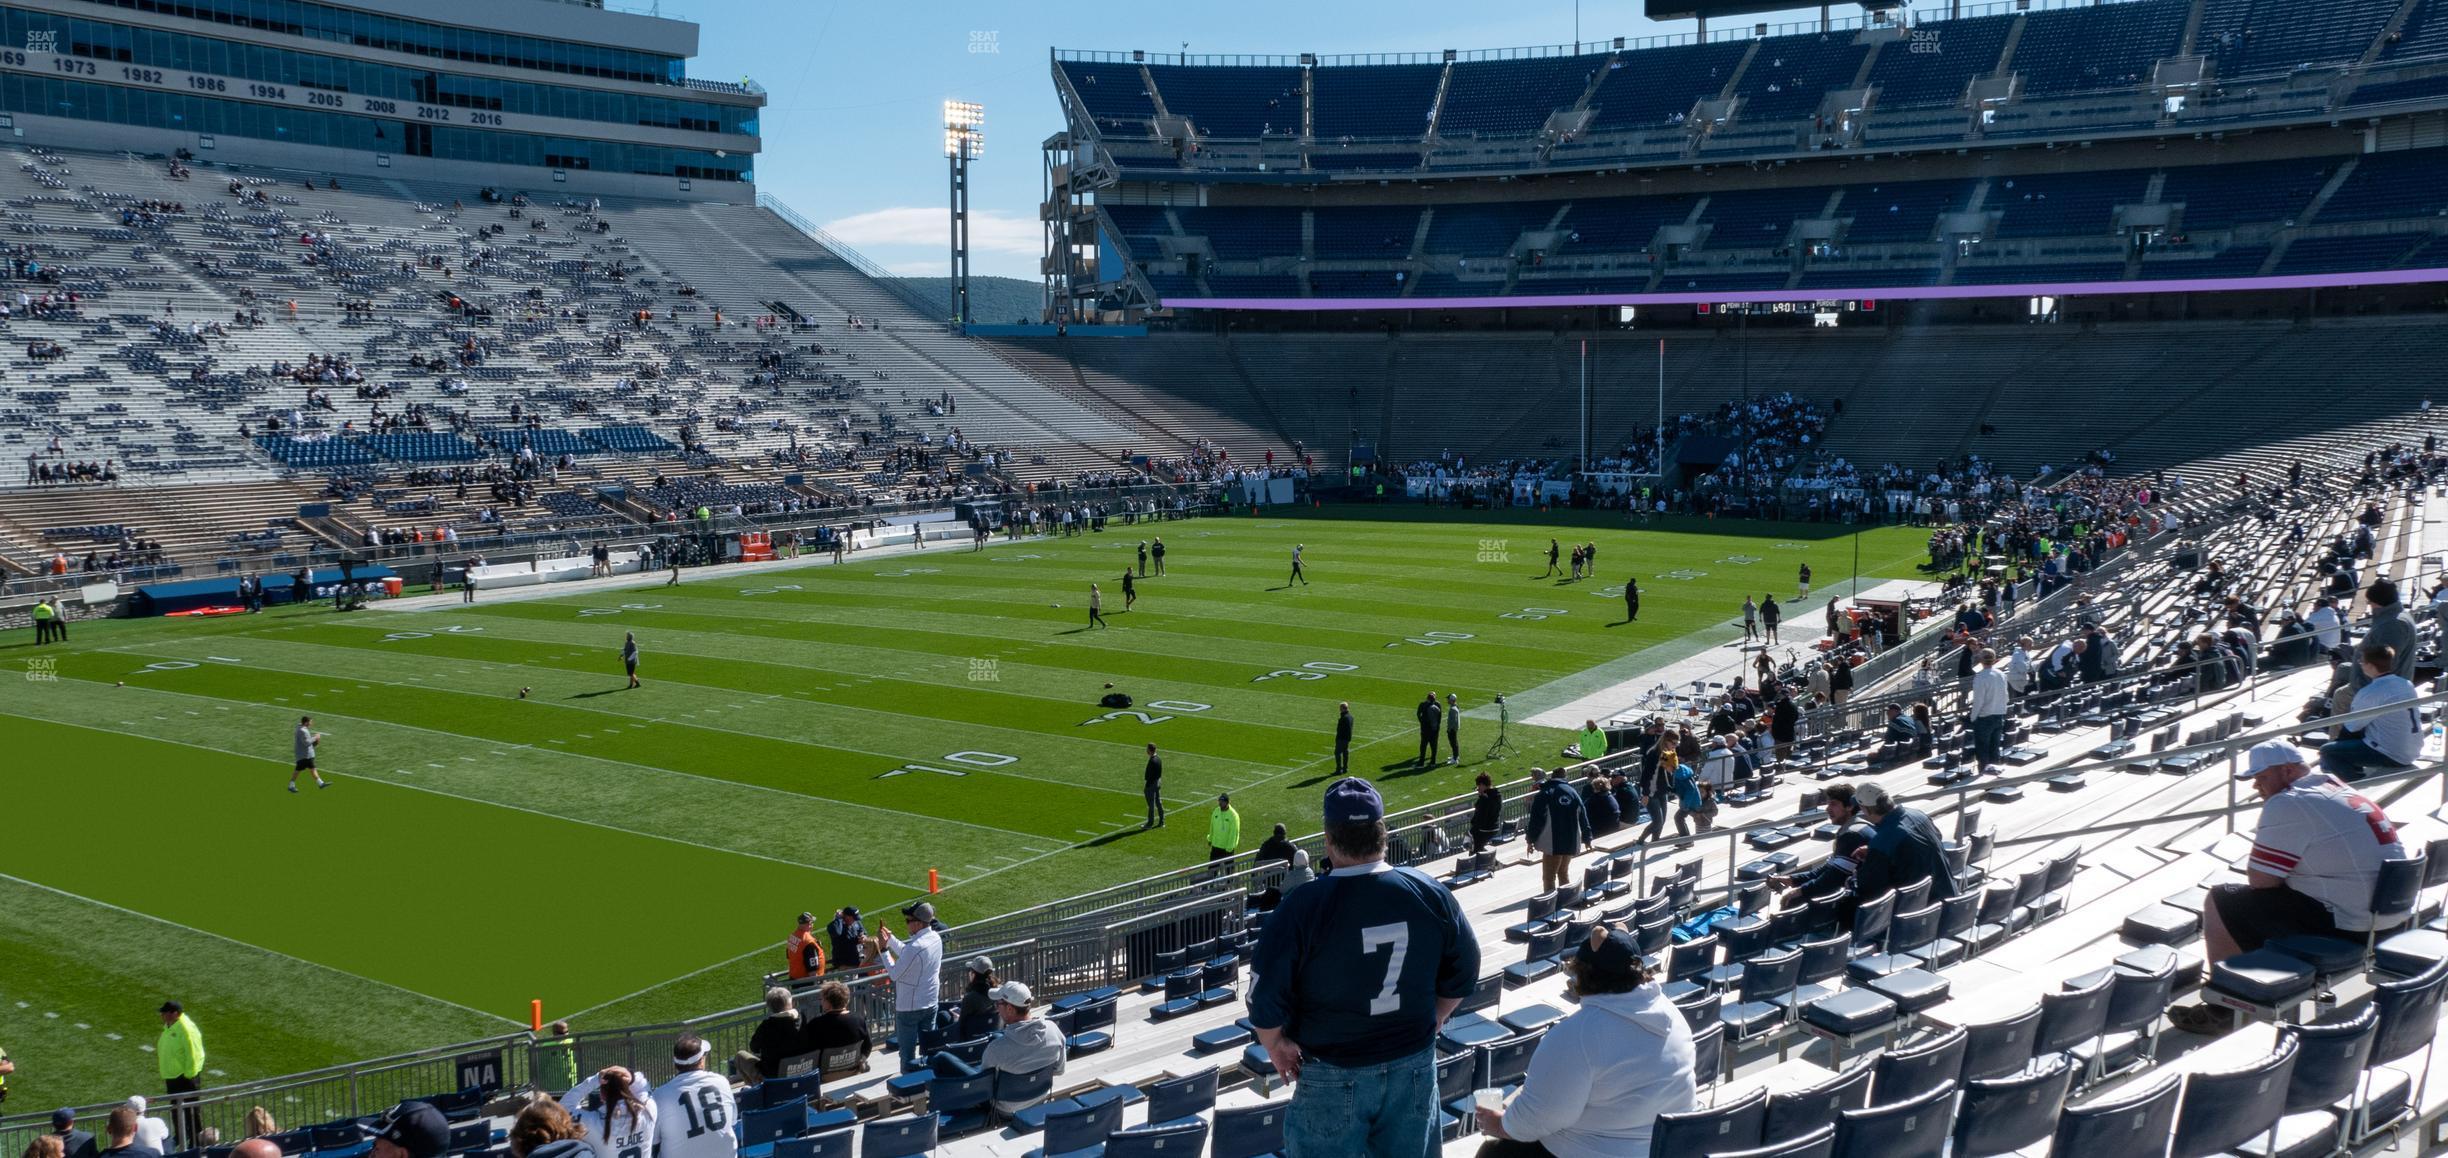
point(991, 231)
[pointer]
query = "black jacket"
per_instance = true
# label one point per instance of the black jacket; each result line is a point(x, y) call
point(1343, 730)
point(1487, 813)
point(777, 1039)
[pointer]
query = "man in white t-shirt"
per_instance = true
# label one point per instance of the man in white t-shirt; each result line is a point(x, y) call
point(2315, 858)
point(2388, 740)
point(694, 1111)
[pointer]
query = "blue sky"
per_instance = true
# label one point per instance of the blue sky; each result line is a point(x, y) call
point(853, 136)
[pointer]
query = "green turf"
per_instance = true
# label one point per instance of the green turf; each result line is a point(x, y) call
point(630, 856)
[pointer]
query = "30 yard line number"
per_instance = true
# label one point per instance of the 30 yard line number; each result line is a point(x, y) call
point(1316, 669)
point(1184, 706)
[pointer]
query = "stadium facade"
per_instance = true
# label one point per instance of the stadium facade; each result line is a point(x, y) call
point(523, 93)
point(2137, 147)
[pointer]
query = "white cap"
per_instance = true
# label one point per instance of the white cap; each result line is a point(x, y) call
point(1013, 993)
point(2270, 754)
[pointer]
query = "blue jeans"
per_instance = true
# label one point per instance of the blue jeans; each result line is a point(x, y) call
point(907, 1025)
point(2346, 759)
point(1382, 1111)
point(1988, 736)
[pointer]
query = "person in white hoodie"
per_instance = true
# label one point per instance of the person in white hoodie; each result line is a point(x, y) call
point(1602, 1076)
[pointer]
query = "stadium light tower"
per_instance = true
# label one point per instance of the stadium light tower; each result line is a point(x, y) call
point(964, 139)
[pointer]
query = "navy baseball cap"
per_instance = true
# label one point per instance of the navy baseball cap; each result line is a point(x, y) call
point(1615, 956)
point(1353, 801)
point(416, 1127)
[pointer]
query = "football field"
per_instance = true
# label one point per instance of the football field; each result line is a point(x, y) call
point(807, 737)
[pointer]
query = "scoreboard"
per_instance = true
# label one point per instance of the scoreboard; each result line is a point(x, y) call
point(1775, 309)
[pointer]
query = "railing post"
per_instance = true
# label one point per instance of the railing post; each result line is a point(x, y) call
point(2231, 790)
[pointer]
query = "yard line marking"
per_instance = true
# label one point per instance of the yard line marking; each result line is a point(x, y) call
point(794, 741)
point(799, 796)
point(528, 811)
point(243, 944)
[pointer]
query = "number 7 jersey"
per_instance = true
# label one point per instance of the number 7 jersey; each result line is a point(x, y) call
point(695, 1115)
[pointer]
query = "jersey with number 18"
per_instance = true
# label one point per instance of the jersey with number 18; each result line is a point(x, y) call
point(694, 1116)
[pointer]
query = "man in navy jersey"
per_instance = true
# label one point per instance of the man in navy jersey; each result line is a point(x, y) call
point(1356, 972)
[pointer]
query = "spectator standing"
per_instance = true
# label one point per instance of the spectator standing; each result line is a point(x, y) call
point(1428, 715)
point(1602, 1076)
point(694, 1112)
point(2316, 856)
point(1487, 814)
point(1356, 973)
point(801, 955)
point(2391, 739)
point(779, 1037)
point(1343, 739)
point(1840, 679)
point(1631, 600)
point(179, 1054)
point(1559, 826)
point(1750, 619)
point(1223, 829)
point(916, 968)
point(1802, 585)
point(1988, 711)
point(1154, 790)
point(1770, 614)
point(45, 1146)
point(629, 656)
point(2389, 625)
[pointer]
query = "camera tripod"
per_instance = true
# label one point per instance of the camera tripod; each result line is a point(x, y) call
point(1504, 716)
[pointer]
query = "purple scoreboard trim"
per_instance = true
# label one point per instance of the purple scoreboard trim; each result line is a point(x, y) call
point(1879, 293)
